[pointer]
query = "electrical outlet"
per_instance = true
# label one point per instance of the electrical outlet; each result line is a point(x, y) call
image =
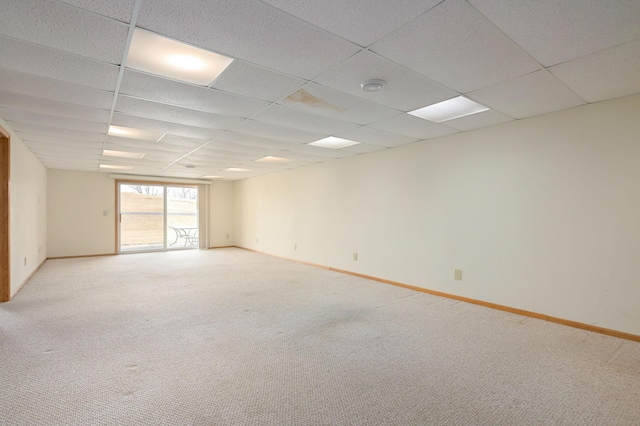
point(227, 236)
point(105, 213)
point(295, 247)
point(25, 261)
point(256, 240)
point(457, 274)
point(355, 256)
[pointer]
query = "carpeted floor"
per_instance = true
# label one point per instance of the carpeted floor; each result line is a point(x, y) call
point(231, 337)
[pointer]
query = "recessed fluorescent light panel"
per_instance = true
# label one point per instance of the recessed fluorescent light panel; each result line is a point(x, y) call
point(131, 133)
point(270, 159)
point(162, 56)
point(449, 110)
point(333, 143)
point(212, 177)
point(235, 169)
point(113, 167)
point(122, 154)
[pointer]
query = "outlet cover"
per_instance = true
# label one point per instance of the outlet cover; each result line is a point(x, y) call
point(355, 256)
point(457, 274)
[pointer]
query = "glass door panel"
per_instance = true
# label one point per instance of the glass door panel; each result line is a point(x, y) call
point(142, 217)
point(182, 217)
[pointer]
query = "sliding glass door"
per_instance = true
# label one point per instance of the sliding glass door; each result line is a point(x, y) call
point(182, 217)
point(157, 217)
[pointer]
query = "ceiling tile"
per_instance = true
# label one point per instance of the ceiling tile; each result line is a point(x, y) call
point(52, 121)
point(414, 127)
point(320, 152)
point(27, 84)
point(68, 149)
point(557, 31)
point(320, 100)
point(257, 141)
point(174, 114)
point(162, 126)
point(287, 117)
point(604, 75)
point(376, 137)
point(21, 128)
point(266, 130)
point(171, 92)
point(363, 148)
point(253, 150)
point(60, 140)
point(63, 27)
point(404, 89)
point(44, 62)
point(46, 106)
point(361, 23)
point(476, 121)
point(182, 141)
point(257, 82)
point(249, 30)
point(116, 9)
point(533, 94)
point(464, 50)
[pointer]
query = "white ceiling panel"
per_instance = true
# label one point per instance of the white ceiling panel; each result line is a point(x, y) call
point(257, 141)
point(54, 131)
point(320, 152)
point(116, 9)
point(52, 121)
point(59, 140)
point(533, 94)
point(258, 128)
point(363, 148)
point(162, 126)
point(27, 84)
point(359, 22)
point(555, 31)
point(476, 121)
point(171, 92)
point(376, 137)
point(63, 27)
point(404, 89)
point(253, 150)
point(253, 81)
point(321, 100)
point(47, 106)
point(174, 114)
point(249, 30)
point(457, 46)
point(45, 62)
point(288, 117)
point(54, 149)
point(182, 141)
point(604, 75)
point(413, 127)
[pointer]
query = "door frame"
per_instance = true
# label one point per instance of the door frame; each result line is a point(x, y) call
point(5, 174)
point(164, 184)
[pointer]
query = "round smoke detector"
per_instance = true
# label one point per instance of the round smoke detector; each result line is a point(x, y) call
point(372, 85)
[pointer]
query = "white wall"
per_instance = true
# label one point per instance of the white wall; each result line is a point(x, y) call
point(541, 214)
point(76, 223)
point(221, 214)
point(27, 212)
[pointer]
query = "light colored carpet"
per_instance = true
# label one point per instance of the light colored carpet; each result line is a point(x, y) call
point(230, 337)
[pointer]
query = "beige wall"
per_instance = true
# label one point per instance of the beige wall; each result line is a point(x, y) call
point(76, 222)
point(221, 213)
point(27, 212)
point(77, 201)
point(541, 214)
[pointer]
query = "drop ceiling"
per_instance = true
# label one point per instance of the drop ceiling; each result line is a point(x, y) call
point(296, 74)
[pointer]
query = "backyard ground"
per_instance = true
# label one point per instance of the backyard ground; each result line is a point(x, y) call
point(142, 219)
